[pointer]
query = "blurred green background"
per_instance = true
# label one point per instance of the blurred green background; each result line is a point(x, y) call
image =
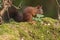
point(49, 6)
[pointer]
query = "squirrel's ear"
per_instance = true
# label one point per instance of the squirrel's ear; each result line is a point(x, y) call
point(38, 6)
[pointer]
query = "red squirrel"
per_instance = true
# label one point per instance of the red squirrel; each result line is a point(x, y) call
point(29, 12)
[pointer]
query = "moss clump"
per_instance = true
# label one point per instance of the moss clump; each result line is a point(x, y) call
point(47, 29)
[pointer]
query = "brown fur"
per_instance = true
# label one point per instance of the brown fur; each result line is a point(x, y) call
point(9, 12)
point(13, 13)
point(29, 12)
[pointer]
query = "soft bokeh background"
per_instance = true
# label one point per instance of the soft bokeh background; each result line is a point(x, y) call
point(49, 6)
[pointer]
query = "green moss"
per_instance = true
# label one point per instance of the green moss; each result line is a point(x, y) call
point(47, 29)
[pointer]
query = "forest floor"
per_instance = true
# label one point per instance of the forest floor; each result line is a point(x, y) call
point(47, 29)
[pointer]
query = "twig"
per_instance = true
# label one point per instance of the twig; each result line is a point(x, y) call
point(58, 9)
point(15, 6)
point(19, 6)
point(57, 3)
